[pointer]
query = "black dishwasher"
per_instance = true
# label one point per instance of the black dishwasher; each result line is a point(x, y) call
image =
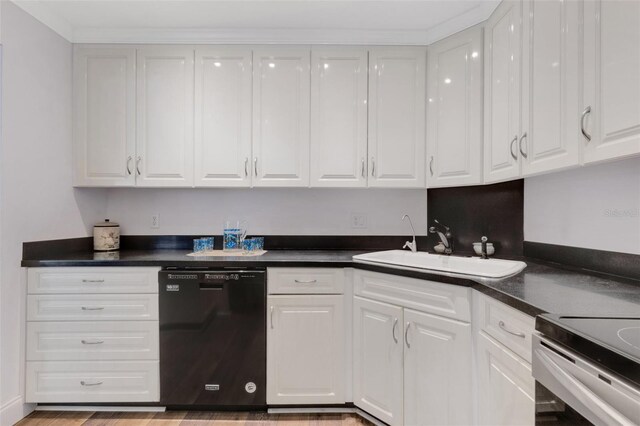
point(213, 338)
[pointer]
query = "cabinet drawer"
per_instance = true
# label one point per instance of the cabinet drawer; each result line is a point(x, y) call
point(92, 381)
point(85, 341)
point(305, 280)
point(446, 300)
point(508, 326)
point(92, 307)
point(92, 280)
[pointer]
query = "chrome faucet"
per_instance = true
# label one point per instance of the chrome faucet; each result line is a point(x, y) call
point(445, 237)
point(413, 245)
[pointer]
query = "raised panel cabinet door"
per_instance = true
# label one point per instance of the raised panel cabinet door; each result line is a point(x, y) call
point(223, 116)
point(377, 359)
point(506, 388)
point(549, 139)
point(397, 95)
point(338, 117)
point(306, 350)
point(502, 75)
point(437, 370)
point(104, 144)
point(165, 116)
point(454, 110)
point(611, 115)
point(281, 86)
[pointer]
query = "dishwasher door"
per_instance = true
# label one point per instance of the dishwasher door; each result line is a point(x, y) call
point(595, 394)
point(213, 339)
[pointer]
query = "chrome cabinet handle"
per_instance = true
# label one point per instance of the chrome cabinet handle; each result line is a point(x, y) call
point(373, 167)
point(306, 281)
point(88, 308)
point(92, 281)
point(129, 158)
point(524, 136)
point(406, 335)
point(431, 165)
point(255, 166)
point(514, 333)
point(246, 162)
point(271, 317)
point(83, 383)
point(138, 165)
point(97, 342)
point(586, 112)
point(393, 330)
point(515, 139)
point(362, 172)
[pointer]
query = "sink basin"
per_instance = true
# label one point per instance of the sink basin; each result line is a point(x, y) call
point(489, 268)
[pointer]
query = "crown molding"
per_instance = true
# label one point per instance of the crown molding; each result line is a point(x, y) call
point(41, 12)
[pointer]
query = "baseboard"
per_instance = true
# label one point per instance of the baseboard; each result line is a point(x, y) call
point(14, 411)
point(126, 408)
point(326, 410)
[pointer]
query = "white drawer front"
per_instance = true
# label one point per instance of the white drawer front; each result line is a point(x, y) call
point(92, 307)
point(85, 341)
point(446, 300)
point(508, 326)
point(92, 280)
point(305, 280)
point(93, 381)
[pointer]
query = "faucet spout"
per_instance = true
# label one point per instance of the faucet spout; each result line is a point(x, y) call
point(413, 245)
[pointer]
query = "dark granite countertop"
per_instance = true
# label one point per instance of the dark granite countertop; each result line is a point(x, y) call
point(541, 288)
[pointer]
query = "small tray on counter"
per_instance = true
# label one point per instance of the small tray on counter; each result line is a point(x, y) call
point(223, 253)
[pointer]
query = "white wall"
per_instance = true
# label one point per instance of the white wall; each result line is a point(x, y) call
point(594, 207)
point(269, 211)
point(36, 197)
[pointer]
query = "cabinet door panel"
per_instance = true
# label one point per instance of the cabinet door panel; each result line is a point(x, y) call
point(338, 117)
point(551, 97)
point(165, 116)
point(281, 82)
point(611, 83)
point(437, 370)
point(502, 92)
point(506, 388)
point(454, 116)
point(377, 359)
point(397, 117)
point(222, 116)
point(305, 359)
point(104, 116)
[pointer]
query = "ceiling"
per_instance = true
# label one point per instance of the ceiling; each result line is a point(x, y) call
point(262, 21)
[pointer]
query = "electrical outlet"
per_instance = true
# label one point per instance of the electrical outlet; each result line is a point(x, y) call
point(358, 220)
point(155, 221)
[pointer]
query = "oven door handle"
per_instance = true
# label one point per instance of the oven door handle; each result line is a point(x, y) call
point(605, 413)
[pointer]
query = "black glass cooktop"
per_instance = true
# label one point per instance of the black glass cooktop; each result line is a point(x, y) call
point(613, 343)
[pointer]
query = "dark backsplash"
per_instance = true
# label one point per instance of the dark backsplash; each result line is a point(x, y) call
point(473, 211)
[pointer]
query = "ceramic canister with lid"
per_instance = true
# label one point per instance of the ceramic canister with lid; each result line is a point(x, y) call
point(106, 236)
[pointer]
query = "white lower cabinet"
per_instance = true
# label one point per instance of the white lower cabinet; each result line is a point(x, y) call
point(411, 367)
point(305, 349)
point(377, 359)
point(92, 335)
point(506, 389)
point(437, 370)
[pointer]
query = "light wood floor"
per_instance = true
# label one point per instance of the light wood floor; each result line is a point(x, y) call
point(187, 418)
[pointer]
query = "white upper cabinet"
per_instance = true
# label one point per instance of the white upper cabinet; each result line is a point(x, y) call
point(223, 116)
point(611, 80)
point(502, 74)
point(454, 110)
point(165, 116)
point(397, 117)
point(281, 92)
point(338, 117)
point(104, 116)
point(550, 136)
